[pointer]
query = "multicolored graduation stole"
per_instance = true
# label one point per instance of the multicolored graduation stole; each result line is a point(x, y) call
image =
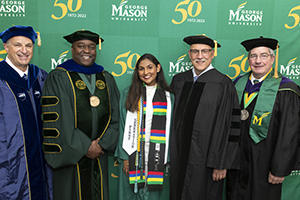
point(158, 148)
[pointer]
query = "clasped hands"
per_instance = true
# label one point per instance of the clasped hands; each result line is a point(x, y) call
point(95, 150)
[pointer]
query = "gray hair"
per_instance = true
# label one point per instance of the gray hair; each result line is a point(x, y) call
point(271, 51)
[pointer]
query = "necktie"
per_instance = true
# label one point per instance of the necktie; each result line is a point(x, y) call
point(25, 77)
point(195, 78)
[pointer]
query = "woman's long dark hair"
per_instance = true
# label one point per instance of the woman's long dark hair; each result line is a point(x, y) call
point(135, 90)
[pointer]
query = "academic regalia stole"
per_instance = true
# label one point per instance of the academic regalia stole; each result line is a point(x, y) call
point(158, 142)
point(262, 113)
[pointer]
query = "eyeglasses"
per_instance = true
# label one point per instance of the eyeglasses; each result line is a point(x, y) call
point(263, 56)
point(204, 52)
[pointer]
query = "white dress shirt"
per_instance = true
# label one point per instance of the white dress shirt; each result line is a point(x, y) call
point(204, 71)
point(20, 72)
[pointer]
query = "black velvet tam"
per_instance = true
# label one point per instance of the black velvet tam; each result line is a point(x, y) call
point(83, 35)
point(200, 39)
point(260, 42)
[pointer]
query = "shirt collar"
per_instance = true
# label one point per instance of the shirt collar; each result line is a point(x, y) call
point(206, 70)
point(261, 79)
point(20, 72)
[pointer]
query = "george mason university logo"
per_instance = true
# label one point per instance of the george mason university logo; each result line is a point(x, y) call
point(15, 8)
point(62, 58)
point(291, 70)
point(241, 16)
point(129, 12)
point(181, 65)
point(257, 120)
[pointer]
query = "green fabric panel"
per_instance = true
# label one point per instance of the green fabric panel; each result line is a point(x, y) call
point(159, 113)
point(65, 183)
point(291, 186)
point(263, 108)
point(158, 141)
point(264, 105)
point(240, 86)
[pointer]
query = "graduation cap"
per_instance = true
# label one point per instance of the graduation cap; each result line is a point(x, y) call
point(202, 39)
point(26, 31)
point(260, 42)
point(84, 35)
point(263, 42)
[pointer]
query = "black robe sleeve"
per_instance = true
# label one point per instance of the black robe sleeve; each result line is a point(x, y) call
point(224, 146)
point(286, 123)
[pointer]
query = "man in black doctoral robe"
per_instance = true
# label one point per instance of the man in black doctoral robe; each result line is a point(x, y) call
point(270, 129)
point(206, 123)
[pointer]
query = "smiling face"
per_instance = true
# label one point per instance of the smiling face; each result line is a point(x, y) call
point(84, 52)
point(260, 61)
point(147, 72)
point(201, 56)
point(19, 51)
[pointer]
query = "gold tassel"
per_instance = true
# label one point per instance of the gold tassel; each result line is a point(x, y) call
point(216, 47)
point(276, 63)
point(39, 42)
point(99, 43)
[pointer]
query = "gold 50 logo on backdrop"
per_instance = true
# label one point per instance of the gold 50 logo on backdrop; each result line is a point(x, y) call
point(294, 14)
point(57, 61)
point(67, 8)
point(291, 70)
point(239, 64)
point(127, 62)
point(243, 17)
point(12, 8)
point(2, 54)
point(188, 11)
point(182, 64)
point(129, 12)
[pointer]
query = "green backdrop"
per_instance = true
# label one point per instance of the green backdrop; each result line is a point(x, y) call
point(131, 28)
